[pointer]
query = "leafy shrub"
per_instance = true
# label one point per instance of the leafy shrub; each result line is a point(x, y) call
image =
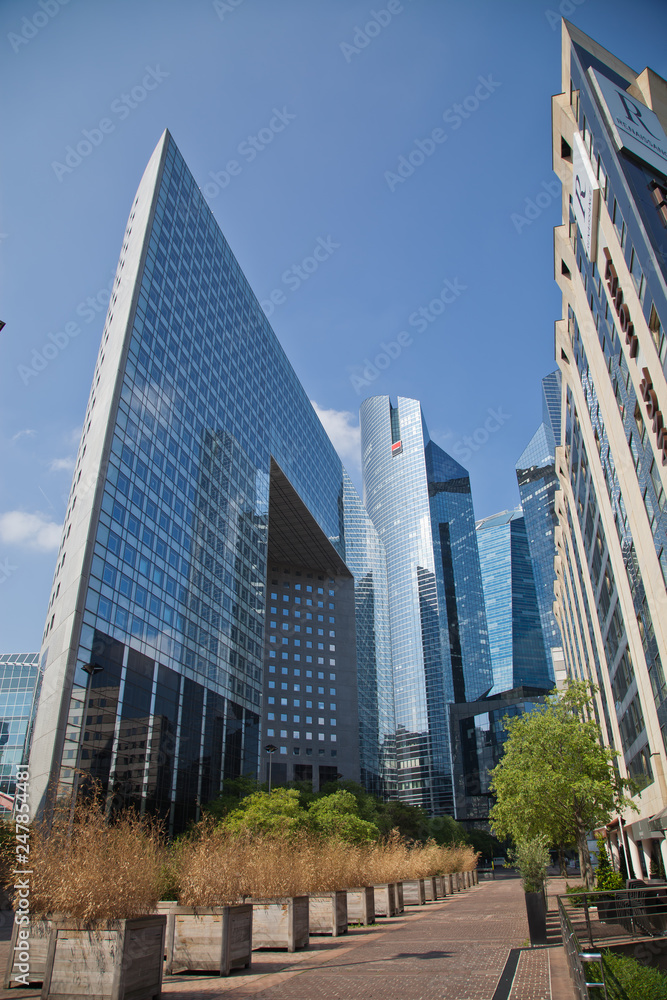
point(626, 979)
point(577, 901)
point(532, 859)
point(605, 876)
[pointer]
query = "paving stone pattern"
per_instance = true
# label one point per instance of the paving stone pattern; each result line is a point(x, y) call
point(456, 949)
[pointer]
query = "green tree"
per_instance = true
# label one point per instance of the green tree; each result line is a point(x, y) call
point(279, 812)
point(445, 830)
point(336, 815)
point(555, 778)
point(233, 791)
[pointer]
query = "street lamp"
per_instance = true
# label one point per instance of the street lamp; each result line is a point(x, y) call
point(270, 749)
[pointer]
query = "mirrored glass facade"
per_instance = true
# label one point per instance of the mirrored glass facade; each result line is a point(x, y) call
point(366, 559)
point(19, 691)
point(419, 501)
point(518, 655)
point(155, 636)
point(538, 482)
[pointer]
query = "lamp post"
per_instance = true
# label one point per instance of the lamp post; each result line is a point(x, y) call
point(270, 749)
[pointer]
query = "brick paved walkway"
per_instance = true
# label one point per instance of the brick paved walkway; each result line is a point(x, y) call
point(456, 949)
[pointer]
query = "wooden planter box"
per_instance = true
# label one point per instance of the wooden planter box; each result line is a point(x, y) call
point(430, 889)
point(117, 959)
point(385, 900)
point(280, 923)
point(209, 938)
point(32, 970)
point(440, 888)
point(413, 892)
point(400, 905)
point(361, 905)
point(328, 912)
point(448, 884)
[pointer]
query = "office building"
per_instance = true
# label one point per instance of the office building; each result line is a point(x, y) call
point(516, 641)
point(203, 474)
point(610, 152)
point(19, 691)
point(538, 483)
point(419, 501)
point(366, 559)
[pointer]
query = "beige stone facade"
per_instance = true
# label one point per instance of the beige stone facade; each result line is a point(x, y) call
point(611, 563)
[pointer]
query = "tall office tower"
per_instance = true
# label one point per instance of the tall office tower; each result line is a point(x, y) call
point(610, 152)
point(19, 692)
point(516, 642)
point(366, 559)
point(198, 441)
point(538, 482)
point(419, 500)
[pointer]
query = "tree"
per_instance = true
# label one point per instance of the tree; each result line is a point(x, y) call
point(336, 815)
point(445, 830)
point(555, 778)
point(233, 791)
point(278, 812)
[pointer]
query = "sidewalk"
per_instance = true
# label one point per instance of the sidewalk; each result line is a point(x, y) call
point(471, 946)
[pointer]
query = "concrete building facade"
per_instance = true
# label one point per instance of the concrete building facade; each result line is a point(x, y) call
point(610, 152)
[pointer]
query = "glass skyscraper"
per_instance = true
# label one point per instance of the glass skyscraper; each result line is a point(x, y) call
point(538, 483)
point(19, 691)
point(610, 152)
point(202, 468)
point(366, 559)
point(419, 500)
point(516, 642)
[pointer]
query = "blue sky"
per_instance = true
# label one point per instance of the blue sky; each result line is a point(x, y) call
point(312, 123)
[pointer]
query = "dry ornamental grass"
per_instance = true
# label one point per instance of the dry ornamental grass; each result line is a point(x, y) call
point(88, 869)
point(214, 867)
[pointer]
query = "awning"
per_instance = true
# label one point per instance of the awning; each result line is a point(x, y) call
point(658, 823)
point(644, 829)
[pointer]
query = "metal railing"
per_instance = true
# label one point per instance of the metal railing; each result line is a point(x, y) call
point(604, 918)
point(579, 962)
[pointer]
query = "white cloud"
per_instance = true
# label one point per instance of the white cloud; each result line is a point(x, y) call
point(344, 433)
point(62, 465)
point(27, 433)
point(74, 436)
point(33, 531)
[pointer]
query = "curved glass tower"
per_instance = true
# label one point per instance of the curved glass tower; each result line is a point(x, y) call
point(419, 500)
